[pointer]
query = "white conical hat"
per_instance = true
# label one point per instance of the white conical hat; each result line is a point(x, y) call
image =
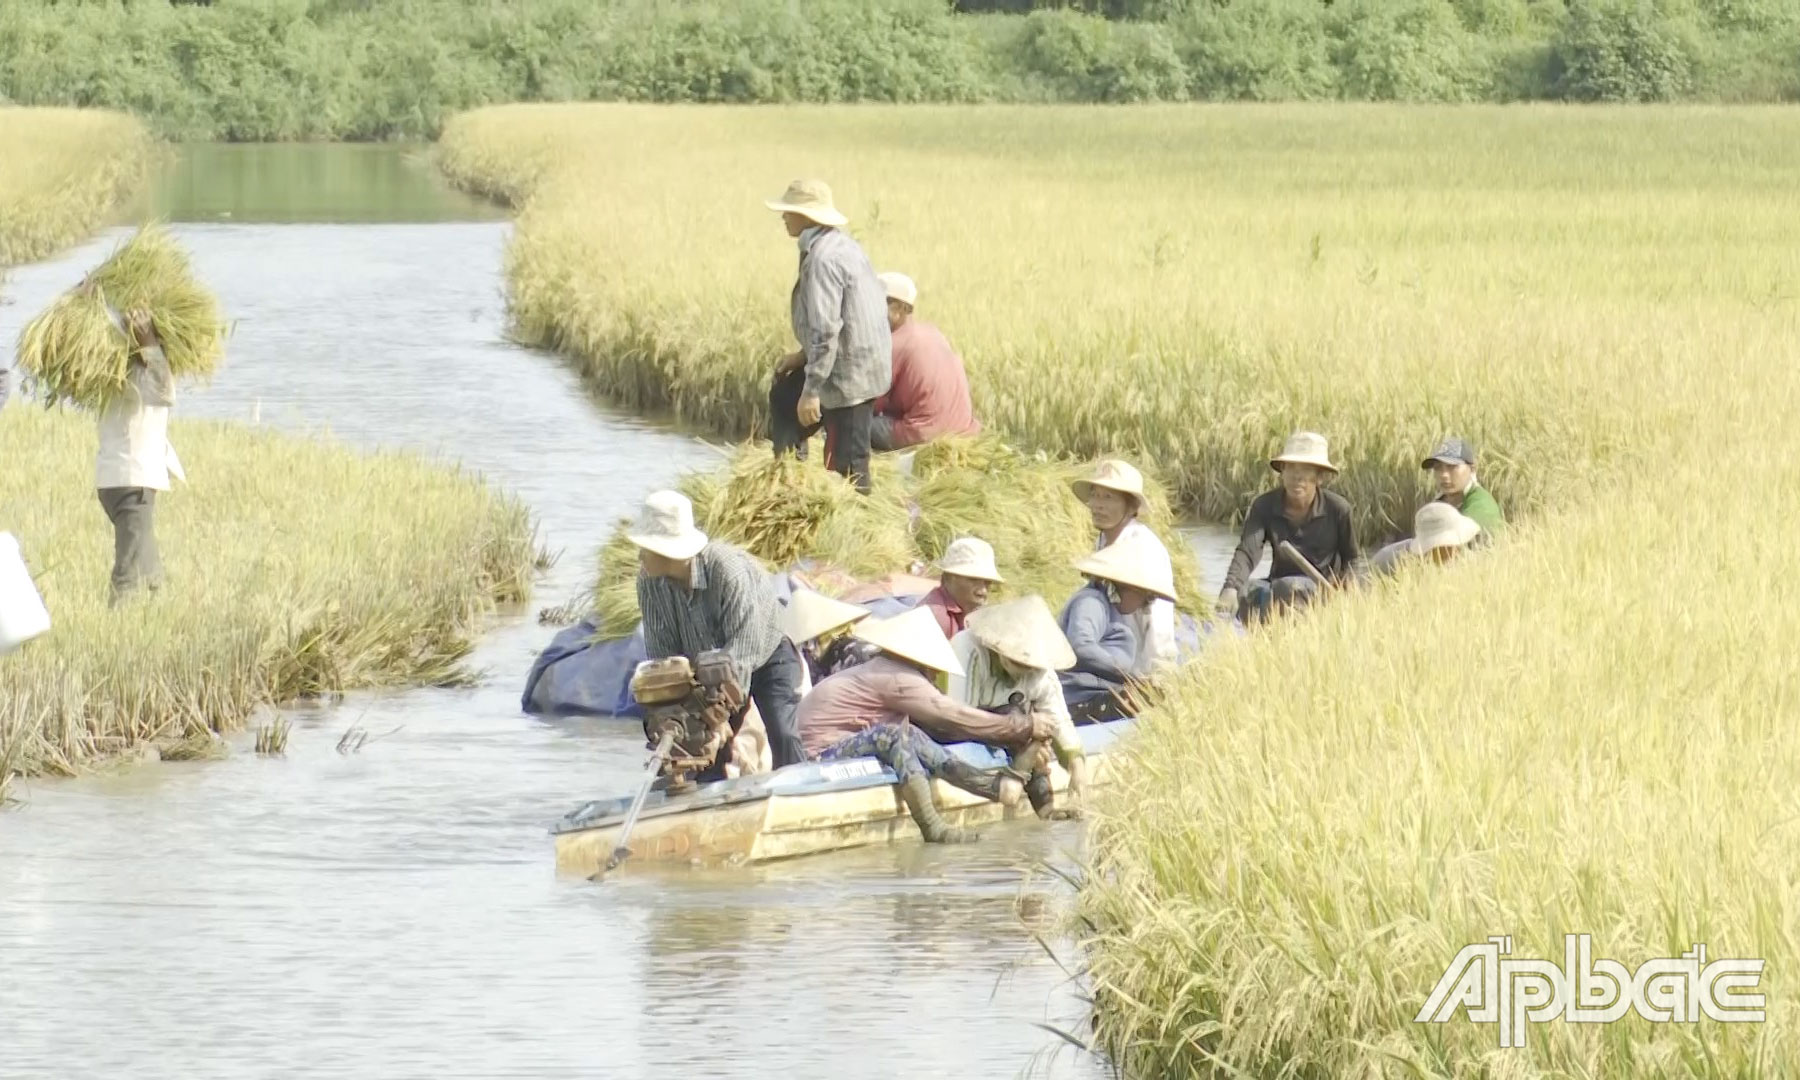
point(809, 614)
point(915, 635)
point(1024, 632)
point(1129, 561)
point(1438, 524)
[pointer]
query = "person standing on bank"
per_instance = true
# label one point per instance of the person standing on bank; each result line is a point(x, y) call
point(697, 594)
point(136, 460)
point(845, 359)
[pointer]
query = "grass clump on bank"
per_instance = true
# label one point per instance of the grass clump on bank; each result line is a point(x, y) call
point(787, 512)
point(61, 172)
point(1181, 286)
point(77, 353)
point(293, 568)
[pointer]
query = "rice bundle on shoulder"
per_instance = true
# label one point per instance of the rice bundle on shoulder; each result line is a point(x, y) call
point(80, 355)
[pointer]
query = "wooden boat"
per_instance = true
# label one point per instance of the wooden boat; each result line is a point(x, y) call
point(803, 809)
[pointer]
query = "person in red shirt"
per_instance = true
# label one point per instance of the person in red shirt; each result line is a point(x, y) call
point(930, 392)
point(965, 573)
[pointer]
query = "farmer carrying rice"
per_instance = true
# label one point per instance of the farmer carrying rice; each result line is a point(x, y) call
point(1301, 512)
point(888, 709)
point(930, 392)
point(1123, 578)
point(136, 459)
point(1010, 655)
point(840, 320)
point(696, 595)
point(1115, 497)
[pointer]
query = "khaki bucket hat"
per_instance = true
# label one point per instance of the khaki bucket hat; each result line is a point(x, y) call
point(810, 199)
point(809, 614)
point(913, 635)
point(1024, 632)
point(1303, 448)
point(1129, 561)
point(1439, 525)
point(1119, 476)
point(970, 557)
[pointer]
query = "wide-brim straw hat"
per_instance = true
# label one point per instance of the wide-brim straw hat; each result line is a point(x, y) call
point(1119, 476)
point(1439, 525)
point(900, 287)
point(970, 557)
point(810, 199)
point(809, 614)
point(665, 525)
point(1130, 561)
point(1304, 448)
point(913, 635)
point(1024, 632)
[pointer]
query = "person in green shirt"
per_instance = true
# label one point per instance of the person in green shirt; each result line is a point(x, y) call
point(1452, 465)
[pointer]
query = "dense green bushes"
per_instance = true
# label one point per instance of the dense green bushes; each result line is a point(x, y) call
point(376, 69)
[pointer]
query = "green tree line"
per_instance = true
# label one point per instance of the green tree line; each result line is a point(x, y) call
point(391, 69)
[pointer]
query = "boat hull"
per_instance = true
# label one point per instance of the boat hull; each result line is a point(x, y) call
point(803, 809)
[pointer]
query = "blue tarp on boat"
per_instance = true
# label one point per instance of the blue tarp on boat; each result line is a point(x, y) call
point(579, 675)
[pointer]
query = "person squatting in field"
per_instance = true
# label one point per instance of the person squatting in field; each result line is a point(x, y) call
point(930, 392)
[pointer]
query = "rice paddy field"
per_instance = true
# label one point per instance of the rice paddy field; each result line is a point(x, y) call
point(1585, 730)
point(61, 173)
point(294, 568)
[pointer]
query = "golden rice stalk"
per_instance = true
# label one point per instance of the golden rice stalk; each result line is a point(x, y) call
point(78, 355)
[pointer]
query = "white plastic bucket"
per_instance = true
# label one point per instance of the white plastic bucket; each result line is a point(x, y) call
point(22, 612)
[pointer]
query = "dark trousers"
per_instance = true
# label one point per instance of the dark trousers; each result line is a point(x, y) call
point(136, 561)
point(775, 687)
point(846, 430)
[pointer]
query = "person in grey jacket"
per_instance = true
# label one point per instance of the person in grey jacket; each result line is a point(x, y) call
point(1122, 579)
point(845, 359)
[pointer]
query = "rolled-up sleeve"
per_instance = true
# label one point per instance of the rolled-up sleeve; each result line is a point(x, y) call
point(1249, 549)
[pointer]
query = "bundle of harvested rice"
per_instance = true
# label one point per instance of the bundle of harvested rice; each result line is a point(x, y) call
point(1021, 505)
point(79, 355)
point(780, 510)
point(787, 512)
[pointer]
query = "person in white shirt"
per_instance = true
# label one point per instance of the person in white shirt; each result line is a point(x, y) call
point(1114, 496)
point(136, 460)
point(1010, 655)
